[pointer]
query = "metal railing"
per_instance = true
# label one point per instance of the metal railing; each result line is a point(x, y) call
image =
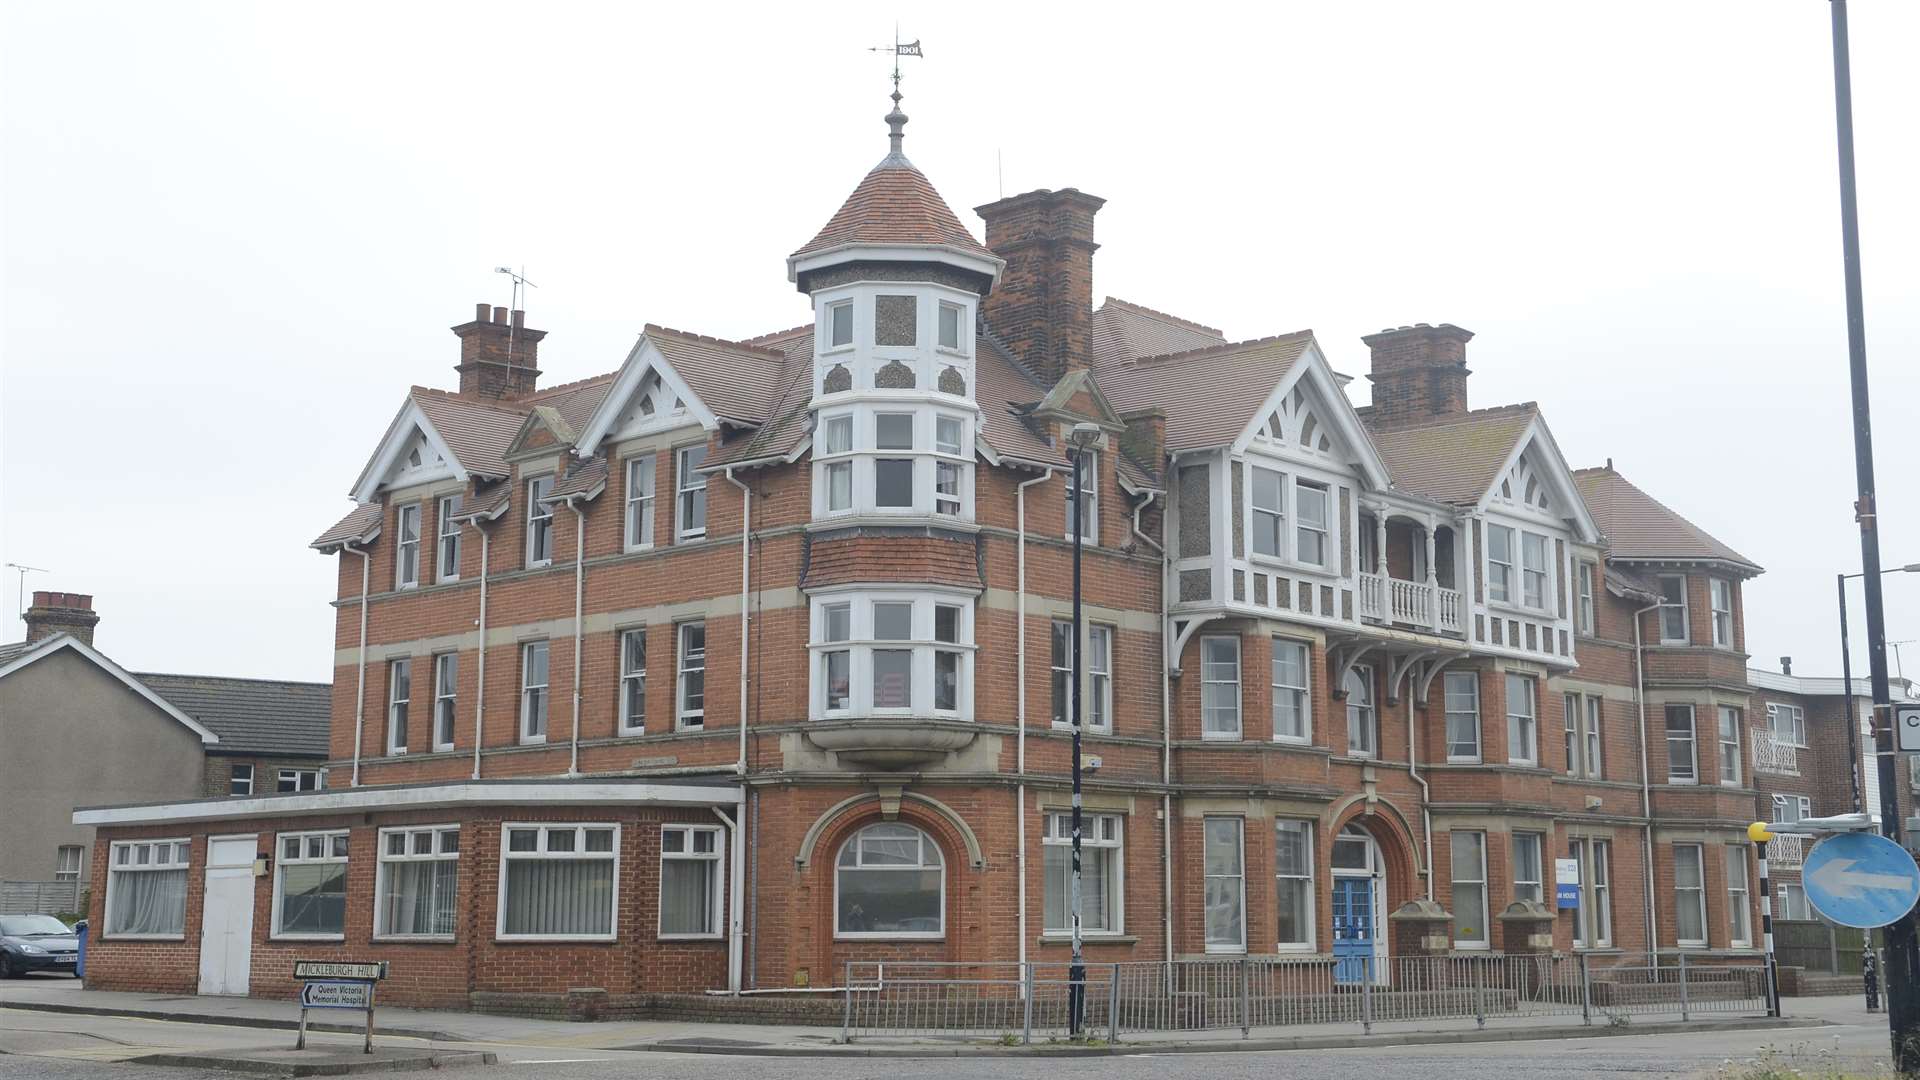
point(1770, 755)
point(1020, 1002)
point(1786, 852)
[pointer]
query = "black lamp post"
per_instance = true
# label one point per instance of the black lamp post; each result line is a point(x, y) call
point(1846, 679)
point(1080, 440)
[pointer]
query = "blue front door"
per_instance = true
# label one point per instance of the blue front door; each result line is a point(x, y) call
point(1352, 928)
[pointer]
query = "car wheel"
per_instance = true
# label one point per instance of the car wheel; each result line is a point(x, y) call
point(6, 966)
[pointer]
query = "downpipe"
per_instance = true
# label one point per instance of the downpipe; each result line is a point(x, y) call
point(360, 688)
point(735, 928)
point(579, 622)
point(1020, 681)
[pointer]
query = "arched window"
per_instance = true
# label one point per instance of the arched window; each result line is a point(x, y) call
point(890, 882)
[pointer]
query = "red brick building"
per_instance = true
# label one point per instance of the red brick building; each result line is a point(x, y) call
point(750, 658)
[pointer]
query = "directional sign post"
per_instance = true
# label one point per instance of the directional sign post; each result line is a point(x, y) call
point(1906, 723)
point(333, 984)
point(1860, 880)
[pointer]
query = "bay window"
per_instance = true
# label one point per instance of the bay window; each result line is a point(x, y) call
point(1673, 616)
point(690, 879)
point(899, 460)
point(147, 889)
point(892, 652)
point(840, 325)
point(1220, 687)
point(951, 318)
point(310, 885)
point(1593, 919)
point(1469, 854)
point(1739, 913)
point(1529, 882)
point(1729, 746)
point(1683, 764)
point(890, 881)
point(1720, 593)
point(1293, 884)
point(1225, 886)
point(1690, 895)
point(558, 882)
point(415, 893)
point(1101, 872)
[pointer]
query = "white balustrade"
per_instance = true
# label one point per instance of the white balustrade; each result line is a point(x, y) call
point(1372, 586)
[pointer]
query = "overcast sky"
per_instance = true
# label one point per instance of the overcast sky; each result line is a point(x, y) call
point(234, 234)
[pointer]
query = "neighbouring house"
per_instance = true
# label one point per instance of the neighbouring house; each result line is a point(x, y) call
point(750, 662)
point(79, 729)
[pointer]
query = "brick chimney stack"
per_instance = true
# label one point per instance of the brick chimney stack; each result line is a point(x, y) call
point(60, 613)
point(1042, 309)
point(498, 357)
point(1419, 374)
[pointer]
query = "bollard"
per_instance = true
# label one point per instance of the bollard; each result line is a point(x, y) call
point(846, 1020)
point(1586, 991)
point(1113, 1006)
point(1479, 995)
point(1026, 1021)
point(1683, 987)
point(1246, 1000)
point(1870, 974)
point(1366, 994)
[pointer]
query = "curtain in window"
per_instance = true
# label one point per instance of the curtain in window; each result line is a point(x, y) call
point(889, 901)
point(1096, 877)
point(559, 896)
point(1223, 883)
point(149, 902)
point(313, 898)
point(419, 897)
point(686, 896)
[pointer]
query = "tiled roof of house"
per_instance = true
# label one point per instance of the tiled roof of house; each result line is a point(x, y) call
point(738, 382)
point(8, 652)
point(895, 204)
point(1123, 331)
point(1210, 394)
point(358, 525)
point(582, 477)
point(257, 716)
point(1639, 526)
point(478, 432)
point(1455, 461)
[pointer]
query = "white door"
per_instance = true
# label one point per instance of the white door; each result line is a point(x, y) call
point(226, 921)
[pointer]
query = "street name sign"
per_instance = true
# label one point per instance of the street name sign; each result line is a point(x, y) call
point(330, 969)
point(1906, 721)
point(336, 994)
point(1861, 880)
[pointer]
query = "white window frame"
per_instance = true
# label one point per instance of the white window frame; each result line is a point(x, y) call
point(240, 779)
point(1796, 717)
point(1801, 803)
point(1538, 883)
point(1300, 693)
point(1523, 728)
point(529, 688)
point(1585, 575)
point(1363, 716)
point(298, 778)
point(1309, 917)
point(1451, 698)
point(834, 461)
point(1267, 525)
point(446, 551)
point(1060, 672)
point(1593, 758)
point(715, 862)
point(330, 855)
point(1691, 740)
point(446, 699)
point(689, 492)
point(1239, 876)
point(440, 849)
point(539, 521)
point(1089, 502)
point(632, 677)
point(1793, 901)
point(406, 552)
point(927, 843)
point(1720, 607)
point(61, 870)
point(1500, 586)
point(1304, 526)
point(641, 475)
point(1698, 852)
point(1679, 610)
point(686, 716)
point(1102, 831)
point(1455, 880)
point(860, 645)
point(399, 704)
point(1099, 692)
point(1739, 897)
point(578, 854)
point(1212, 674)
point(847, 444)
point(959, 346)
point(175, 859)
point(1543, 573)
point(1728, 720)
point(832, 313)
point(1592, 854)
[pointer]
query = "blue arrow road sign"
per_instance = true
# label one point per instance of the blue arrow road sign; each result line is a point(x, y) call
point(1860, 879)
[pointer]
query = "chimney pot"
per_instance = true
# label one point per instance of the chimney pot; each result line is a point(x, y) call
point(499, 314)
point(1786, 665)
point(519, 318)
point(61, 613)
point(498, 361)
point(480, 311)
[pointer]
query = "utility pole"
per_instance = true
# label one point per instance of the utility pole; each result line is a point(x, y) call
point(1903, 957)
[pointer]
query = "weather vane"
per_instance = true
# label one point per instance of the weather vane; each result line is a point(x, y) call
point(899, 49)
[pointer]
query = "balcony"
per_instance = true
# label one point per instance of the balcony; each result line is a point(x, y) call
point(892, 743)
point(1786, 852)
point(1412, 604)
point(1773, 756)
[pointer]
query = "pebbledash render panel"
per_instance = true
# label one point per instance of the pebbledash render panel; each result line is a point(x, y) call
point(751, 659)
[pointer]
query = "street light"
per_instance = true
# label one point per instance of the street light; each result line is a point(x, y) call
point(1846, 677)
point(1079, 440)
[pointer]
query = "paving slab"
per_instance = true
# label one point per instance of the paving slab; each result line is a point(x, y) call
point(325, 1061)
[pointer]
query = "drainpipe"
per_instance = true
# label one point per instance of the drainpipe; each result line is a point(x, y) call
point(1020, 682)
point(1646, 782)
point(579, 603)
point(1166, 738)
point(746, 558)
point(360, 691)
point(480, 684)
point(1426, 793)
point(734, 933)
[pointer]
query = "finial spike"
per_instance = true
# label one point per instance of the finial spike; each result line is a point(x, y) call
point(897, 120)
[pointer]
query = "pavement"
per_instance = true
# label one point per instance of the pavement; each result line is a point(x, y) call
point(63, 995)
point(327, 1061)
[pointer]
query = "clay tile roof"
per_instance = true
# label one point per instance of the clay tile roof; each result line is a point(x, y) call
point(738, 382)
point(257, 716)
point(357, 527)
point(1639, 526)
point(1209, 394)
point(895, 204)
point(477, 432)
point(1455, 461)
point(1003, 389)
point(582, 477)
point(485, 505)
point(1123, 332)
point(576, 401)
